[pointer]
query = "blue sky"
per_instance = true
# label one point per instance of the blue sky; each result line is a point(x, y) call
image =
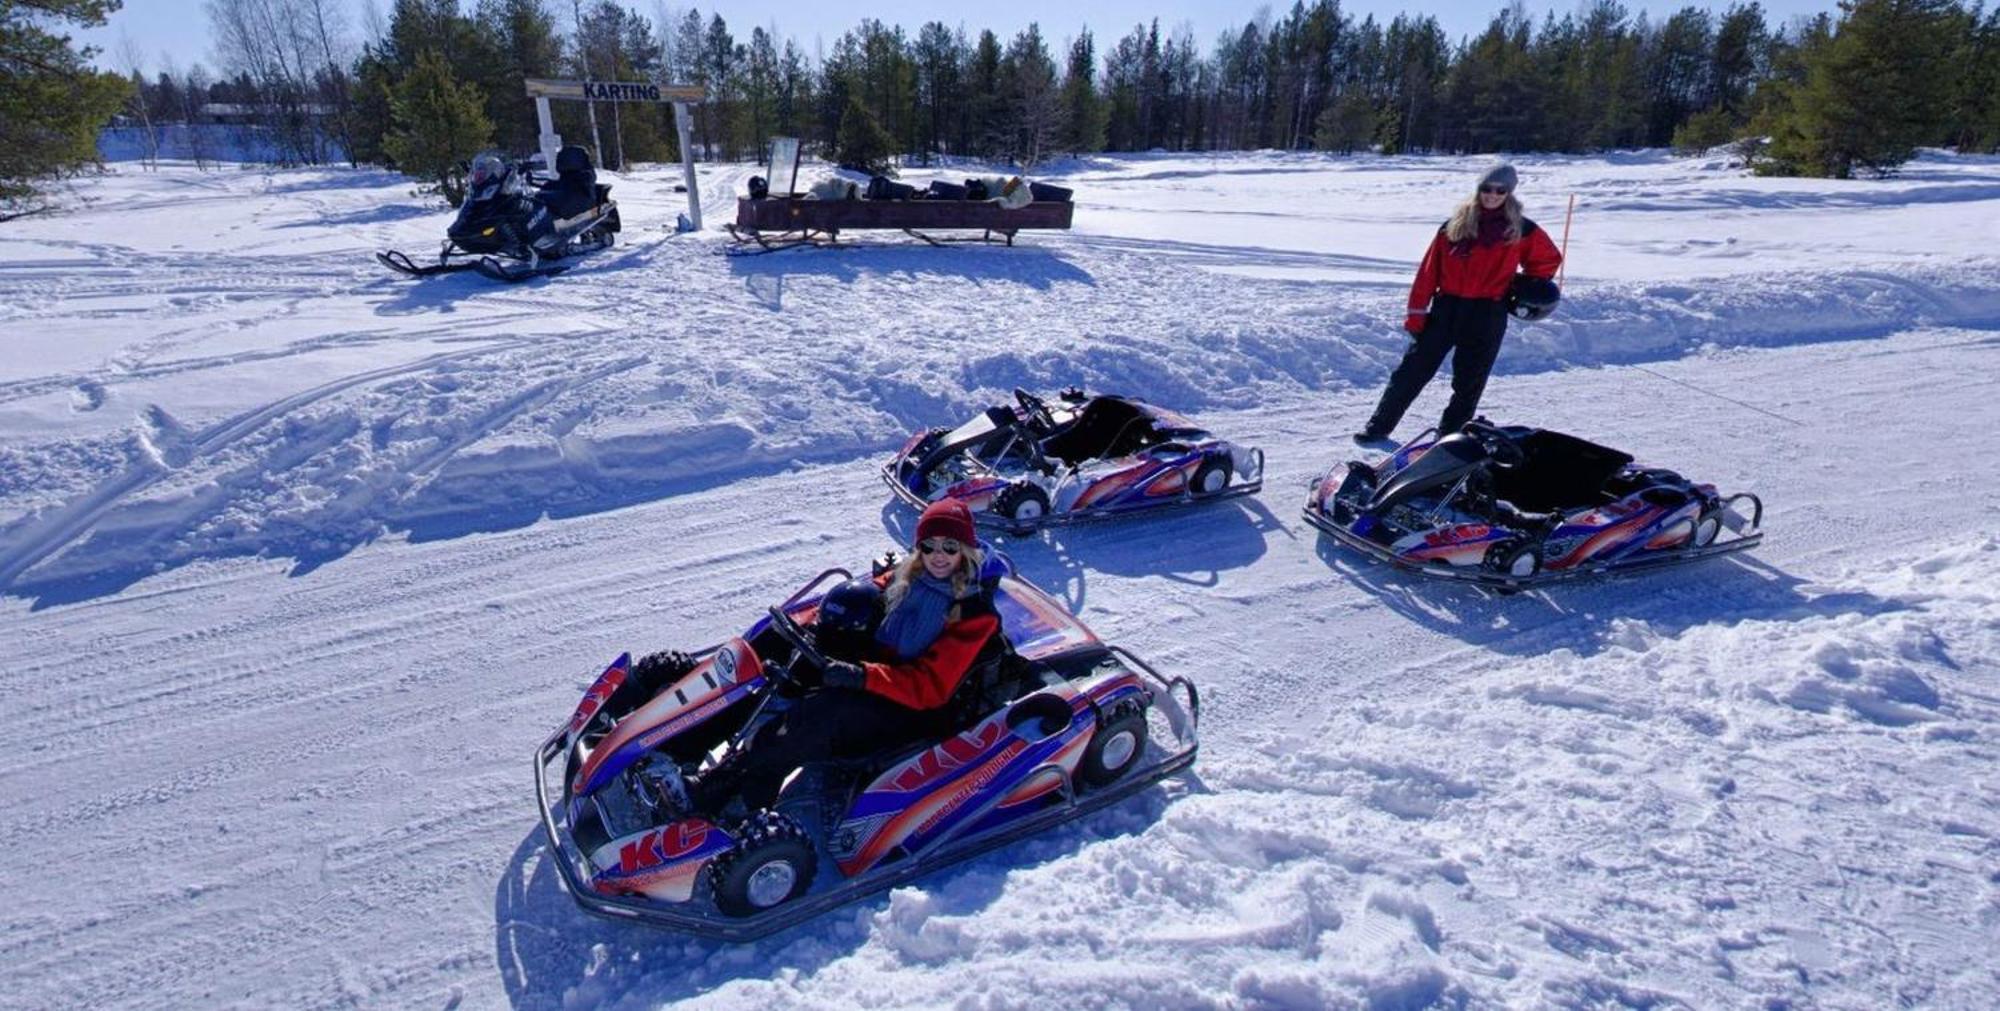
point(179, 28)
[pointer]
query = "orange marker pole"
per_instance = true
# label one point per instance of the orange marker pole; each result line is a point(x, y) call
point(1560, 271)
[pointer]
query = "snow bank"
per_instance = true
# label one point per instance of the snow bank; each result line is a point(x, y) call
point(662, 367)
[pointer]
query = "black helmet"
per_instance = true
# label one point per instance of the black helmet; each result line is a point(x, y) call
point(847, 618)
point(852, 606)
point(759, 189)
point(1532, 298)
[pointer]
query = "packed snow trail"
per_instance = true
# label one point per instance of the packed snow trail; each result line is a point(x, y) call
point(294, 771)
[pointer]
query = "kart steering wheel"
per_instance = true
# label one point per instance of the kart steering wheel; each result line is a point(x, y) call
point(1037, 408)
point(1504, 452)
point(802, 646)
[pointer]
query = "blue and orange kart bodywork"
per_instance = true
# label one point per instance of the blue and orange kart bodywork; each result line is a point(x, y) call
point(1022, 467)
point(1011, 772)
point(1514, 507)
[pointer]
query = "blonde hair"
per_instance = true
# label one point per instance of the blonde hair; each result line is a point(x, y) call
point(912, 566)
point(1464, 223)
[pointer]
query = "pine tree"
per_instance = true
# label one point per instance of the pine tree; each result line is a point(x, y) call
point(1083, 110)
point(1976, 108)
point(524, 38)
point(862, 144)
point(51, 102)
point(440, 125)
point(985, 129)
point(939, 56)
point(1346, 124)
point(1872, 93)
point(1033, 103)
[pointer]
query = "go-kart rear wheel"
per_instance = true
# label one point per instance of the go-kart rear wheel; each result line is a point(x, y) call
point(1115, 748)
point(773, 864)
point(1022, 502)
point(1210, 478)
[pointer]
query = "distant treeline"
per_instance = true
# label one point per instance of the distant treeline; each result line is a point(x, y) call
point(1836, 94)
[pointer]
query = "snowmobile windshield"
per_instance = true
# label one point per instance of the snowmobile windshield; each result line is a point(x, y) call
point(489, 177)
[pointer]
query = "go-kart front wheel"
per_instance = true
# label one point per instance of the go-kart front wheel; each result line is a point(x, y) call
point(1115, 748)
point(771, 866)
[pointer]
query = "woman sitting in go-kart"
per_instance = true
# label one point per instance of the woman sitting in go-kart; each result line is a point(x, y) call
point(898, 645)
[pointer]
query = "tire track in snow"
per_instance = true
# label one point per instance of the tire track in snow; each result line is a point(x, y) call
point(50, 534)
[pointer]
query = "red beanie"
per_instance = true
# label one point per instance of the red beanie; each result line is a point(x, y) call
point(947, 517)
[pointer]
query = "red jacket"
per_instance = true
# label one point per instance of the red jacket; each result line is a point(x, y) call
point(1481, 271)
point(928, 681)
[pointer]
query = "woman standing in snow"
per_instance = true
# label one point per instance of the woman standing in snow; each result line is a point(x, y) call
point(1458, 304)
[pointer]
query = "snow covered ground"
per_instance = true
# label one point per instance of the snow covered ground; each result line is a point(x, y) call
point(298, 562)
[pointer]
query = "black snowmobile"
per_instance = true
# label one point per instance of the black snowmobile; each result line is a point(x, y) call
point(513, 222)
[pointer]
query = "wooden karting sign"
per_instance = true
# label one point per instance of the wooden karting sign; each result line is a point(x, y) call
point(615, 91)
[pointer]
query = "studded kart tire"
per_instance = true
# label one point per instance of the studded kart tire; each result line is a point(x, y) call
point(1115, 748)
point(1022, 502)
point(1515, 560)
point(772, 865)
point(1210, 478)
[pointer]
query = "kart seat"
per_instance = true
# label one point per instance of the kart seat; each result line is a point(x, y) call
point(1106, 427)
point(995, 680)
point(1558, 472)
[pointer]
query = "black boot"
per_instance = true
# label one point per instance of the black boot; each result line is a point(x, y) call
point(712, 793)
point(645, 679)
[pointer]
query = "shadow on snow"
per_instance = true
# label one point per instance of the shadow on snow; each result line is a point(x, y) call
point(1578, 615)
point(551, 954)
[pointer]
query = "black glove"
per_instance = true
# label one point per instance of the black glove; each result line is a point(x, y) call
point(882, 564)
point(841, 674)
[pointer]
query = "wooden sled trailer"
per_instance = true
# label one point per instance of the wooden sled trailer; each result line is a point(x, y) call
point(778, 223)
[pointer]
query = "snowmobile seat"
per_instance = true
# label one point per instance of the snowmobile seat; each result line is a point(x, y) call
point(1107, 427)
point(574, 189)
point(1558, 472)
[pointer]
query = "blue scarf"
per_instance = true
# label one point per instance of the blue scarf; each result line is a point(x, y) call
point(918, 619)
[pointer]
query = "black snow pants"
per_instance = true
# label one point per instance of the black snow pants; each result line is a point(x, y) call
point(1469, 329)
point(831, 723)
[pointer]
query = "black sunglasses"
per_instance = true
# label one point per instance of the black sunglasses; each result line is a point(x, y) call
point(1501, 190)
point(933, 547)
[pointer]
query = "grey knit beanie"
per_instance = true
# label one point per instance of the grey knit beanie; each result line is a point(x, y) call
point(1500, 175)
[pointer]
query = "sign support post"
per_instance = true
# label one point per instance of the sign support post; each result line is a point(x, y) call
point(622, 91)
point(682, 117)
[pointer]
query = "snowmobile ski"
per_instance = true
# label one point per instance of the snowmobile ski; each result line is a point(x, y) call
point(516, 273)
point(400, 262)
